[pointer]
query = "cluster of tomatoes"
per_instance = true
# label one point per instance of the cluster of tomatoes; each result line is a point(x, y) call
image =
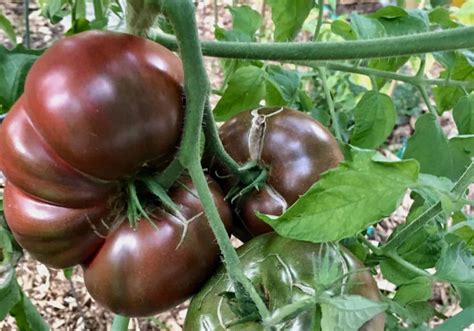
point(101, 108)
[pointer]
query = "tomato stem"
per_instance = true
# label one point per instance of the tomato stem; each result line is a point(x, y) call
point(182, 16)
point(426, 42)
point(461, 185)
point(330, 102)
point(120, 323)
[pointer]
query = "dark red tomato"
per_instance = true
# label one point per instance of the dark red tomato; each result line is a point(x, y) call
point(285, 271)
point(97, 108)
point(147, 271)
point(292, 146)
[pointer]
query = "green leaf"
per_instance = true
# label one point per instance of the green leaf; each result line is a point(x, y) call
point(417, 290)
point(395, 273)
point(463, 226)
point(347, 199)
point(387, 64)
point(374, 118)
point(447, 97)
point(285, 82)
point(389, 12)
point(442, 17)
point(27, 316)
point(460, 321)
point(430, 147)
point(462, 152)
point(9, 292)
point(245, 20)
point(367, 28)
point(7, 27)
point(288, 17)
point(344, 29)
point(14, 65)
point(417, 312)
point(348, 312)
point(245, 90)
point(415, 22)
point(463, 114)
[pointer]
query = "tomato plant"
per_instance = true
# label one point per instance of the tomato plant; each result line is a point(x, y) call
point(287, 272)
point(104, 127)
point(292, 147)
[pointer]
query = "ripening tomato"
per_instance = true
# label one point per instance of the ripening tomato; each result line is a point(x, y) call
point(285, 271)
point(100, 109)
point(293, 147)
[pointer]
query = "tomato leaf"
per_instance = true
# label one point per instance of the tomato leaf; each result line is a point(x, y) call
point(442, 17)
point(367, 28)
point(374, 118)
point(463, 114)
point(14, 66)
point(288, 17)
point(27, 316)
point(8, 28)
point(417, 290)
point(9, 292)
point(343, 29)
point(348, 312)
point(389, 12)
point(285, 85)
point(245, 20)
point(245, 90)
point(447, 97)
point(347, 199)
point(460, 321)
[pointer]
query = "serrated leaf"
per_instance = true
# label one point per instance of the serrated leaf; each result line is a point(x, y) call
point(442, 17)
point(8, 28)
point(27, 316)
point(456, 264)
point(14, 66)
point(288, 17)
point(393, 272)
point(387, 64)
point(343, 29)
point(417, 290)
point(285, 82)
point(415, 22)
point(463, 114)
point(367, 28)
point(245, 20)
point(430, 147)
point(9, 292)
point(460, 321)
point(374, 118)
point(347, 199)
point(245, 90)
point(348, 312)
point(447, 97)
point(462, 153)
point(389, 12)
point(416, 313)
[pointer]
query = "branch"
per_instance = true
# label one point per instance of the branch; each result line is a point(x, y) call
point(460, 38)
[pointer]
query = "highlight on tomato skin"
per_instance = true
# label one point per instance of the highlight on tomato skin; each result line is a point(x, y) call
point(293, 147)
point(98, 107)
point(284, 271)
point(151, 269)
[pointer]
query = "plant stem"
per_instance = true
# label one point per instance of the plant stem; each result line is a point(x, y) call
point(230, 255)
point(182, 16)
point(171, 173)
point(460, 38)
point(26, 17)
point(215, 144)
point(426, 99)
point(120, 323)
point(216, 13)
point(263, 11)
point(384, 74)
point(464, 181)
point(319, 23)
point(330, 102)
point(408, 265)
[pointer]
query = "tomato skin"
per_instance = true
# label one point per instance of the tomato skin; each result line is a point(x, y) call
point(97, 108)
point(295, 149)
point(147, 271)
point(275, 265)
